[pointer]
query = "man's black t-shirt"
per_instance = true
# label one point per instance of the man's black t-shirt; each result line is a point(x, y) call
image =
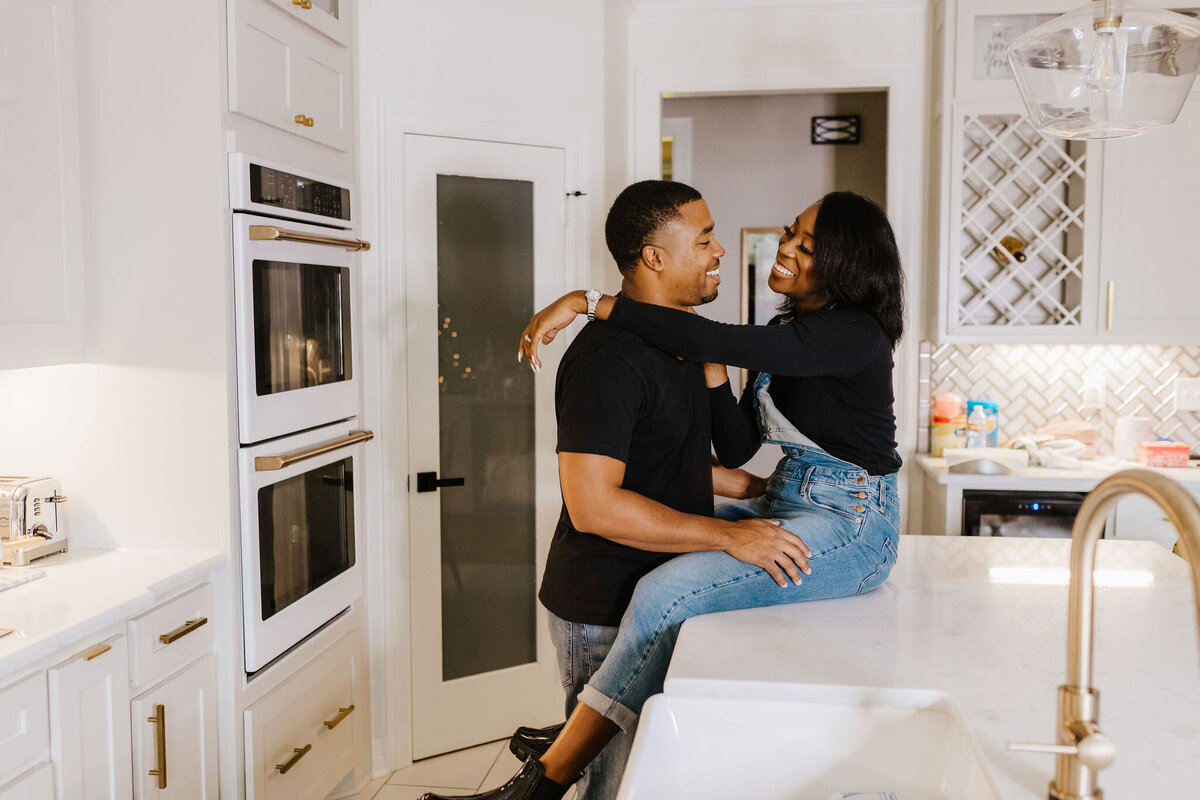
point(617, 396)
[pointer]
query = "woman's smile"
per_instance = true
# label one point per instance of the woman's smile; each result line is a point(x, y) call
point(782, 271)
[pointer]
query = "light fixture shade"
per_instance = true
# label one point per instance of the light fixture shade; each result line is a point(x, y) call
point(1083, 78)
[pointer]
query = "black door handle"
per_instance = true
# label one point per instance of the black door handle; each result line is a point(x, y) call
point(430, 482)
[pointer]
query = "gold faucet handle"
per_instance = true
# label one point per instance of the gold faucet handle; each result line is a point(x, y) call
point(1094, 749)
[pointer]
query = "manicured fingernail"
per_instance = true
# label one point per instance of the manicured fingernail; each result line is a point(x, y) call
point(808, 570)
point(518, 356)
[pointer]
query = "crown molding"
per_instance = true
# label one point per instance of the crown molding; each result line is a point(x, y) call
point(656, 7)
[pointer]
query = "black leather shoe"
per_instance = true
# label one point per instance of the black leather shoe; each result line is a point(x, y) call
point(530, 783)
point(529, 743)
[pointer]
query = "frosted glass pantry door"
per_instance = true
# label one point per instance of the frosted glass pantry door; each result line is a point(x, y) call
point(484, 248)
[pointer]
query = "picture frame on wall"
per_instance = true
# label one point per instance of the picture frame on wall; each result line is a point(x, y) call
point(759, 245)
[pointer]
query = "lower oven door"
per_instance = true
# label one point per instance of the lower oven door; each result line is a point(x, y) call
point(1042, 515)
point(300, 542)
point(295, 326)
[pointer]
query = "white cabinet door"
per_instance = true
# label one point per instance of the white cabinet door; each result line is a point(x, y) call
point(1149, 256)
point(89, 723)
point(288, 76)
point(1138, 517)
point(175, 736)
point(41, 253)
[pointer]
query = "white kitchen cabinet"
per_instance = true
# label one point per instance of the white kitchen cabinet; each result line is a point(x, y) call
point(1137, 517)
point(1149, 256)
point(25, 723)
point(37, 784)
point(41, 251)
point(330, 17)
point(303, 737)
point(89, 723)
point(1103, 229)
point(287, 75)
point(175, 736)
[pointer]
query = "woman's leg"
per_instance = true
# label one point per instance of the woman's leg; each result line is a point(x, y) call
point(850, 555)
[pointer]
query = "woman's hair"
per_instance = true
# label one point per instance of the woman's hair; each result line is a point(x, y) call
point(856, 261)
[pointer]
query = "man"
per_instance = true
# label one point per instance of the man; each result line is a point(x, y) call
point(634, 455)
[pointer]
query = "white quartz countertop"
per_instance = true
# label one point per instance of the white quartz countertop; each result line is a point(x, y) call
point(1035, 478)
point(947, 620)
point(84, 591)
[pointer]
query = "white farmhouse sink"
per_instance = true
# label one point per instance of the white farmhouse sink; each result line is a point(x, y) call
point(789, 742)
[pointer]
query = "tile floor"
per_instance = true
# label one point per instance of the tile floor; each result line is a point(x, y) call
point(463, 772)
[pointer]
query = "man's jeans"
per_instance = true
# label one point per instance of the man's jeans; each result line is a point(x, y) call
point(581, 649)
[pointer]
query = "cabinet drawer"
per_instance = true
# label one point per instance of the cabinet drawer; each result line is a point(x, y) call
point(38, 784)
point(169, 636)
point(301, 737)
point(24, 725)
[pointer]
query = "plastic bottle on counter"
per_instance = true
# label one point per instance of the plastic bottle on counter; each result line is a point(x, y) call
point(992, 413)
point(977, 427)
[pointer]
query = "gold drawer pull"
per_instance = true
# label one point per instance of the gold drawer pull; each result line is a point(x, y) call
point(300, 752)
point(300, 119)
point(302, 3)
point(342, 714)
point(94, 651)
point(183, 630)
point(160, 730)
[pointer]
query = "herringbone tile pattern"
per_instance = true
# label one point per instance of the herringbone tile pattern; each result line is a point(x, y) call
point(1036, 384)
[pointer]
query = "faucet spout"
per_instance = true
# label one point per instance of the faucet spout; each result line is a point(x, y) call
point(1083, 749)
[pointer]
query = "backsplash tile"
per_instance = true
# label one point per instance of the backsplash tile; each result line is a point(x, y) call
point(1036, 384)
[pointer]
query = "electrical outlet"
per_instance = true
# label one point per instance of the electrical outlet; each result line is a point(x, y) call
point(1187, 394)
point(1094, 384)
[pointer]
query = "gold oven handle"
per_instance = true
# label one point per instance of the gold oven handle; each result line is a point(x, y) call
point(183, 630)
point(271, 233)
point(267, 463)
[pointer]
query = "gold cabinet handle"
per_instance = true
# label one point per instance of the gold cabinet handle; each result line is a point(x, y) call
point(183, 630)
point(308, 122)
point(299, 753)
point(160, 731)
point(268, 463)
point(300, 119)
point(306, 4)
point(341, 715)
point(95, 651)
point(1112, 292)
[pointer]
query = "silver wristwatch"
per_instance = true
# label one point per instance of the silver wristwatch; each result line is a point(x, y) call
point(592, 296)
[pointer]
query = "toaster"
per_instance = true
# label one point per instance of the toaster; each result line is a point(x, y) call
point(32, 519)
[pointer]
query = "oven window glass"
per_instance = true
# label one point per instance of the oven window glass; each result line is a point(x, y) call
point(305, 533)
point(1027, 525)
point(301, 325)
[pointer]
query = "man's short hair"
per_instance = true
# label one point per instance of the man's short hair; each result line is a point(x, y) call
point(639, 212)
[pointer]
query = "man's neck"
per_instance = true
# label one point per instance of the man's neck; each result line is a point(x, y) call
point(647, 294)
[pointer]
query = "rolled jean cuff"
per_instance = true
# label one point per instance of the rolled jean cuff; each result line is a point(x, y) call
point(610, 709)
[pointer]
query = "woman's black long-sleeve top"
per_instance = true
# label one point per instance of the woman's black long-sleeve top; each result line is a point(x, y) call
point(831, 376)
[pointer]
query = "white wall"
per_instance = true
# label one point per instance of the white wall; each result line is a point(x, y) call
point(753, 161)
point(720, 46)
point(537, 65)
point(140, 436)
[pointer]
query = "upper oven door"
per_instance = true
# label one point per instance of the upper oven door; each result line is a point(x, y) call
point(296, 326)
point(301, 547)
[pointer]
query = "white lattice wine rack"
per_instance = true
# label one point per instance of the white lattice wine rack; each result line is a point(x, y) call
point(1018, 186)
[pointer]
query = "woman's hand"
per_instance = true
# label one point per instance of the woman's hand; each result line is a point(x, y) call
point(546, 324)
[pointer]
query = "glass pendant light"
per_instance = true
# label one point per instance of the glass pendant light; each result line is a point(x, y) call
point(1107, 69)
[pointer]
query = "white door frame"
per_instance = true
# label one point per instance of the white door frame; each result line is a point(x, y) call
point(907, 185)
point(388, 536)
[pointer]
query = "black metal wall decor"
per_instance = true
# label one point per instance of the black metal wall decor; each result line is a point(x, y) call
point(842, 129)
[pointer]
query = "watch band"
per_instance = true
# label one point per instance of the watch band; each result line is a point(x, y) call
point(593, 297)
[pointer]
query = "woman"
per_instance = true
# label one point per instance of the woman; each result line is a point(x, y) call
point(821, 389)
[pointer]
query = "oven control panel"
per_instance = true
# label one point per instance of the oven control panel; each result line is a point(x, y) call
point(274, 187)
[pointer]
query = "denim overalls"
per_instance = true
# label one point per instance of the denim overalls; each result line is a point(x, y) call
point(850, 521)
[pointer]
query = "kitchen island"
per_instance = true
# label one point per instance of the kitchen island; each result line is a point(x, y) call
point(985, 621)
